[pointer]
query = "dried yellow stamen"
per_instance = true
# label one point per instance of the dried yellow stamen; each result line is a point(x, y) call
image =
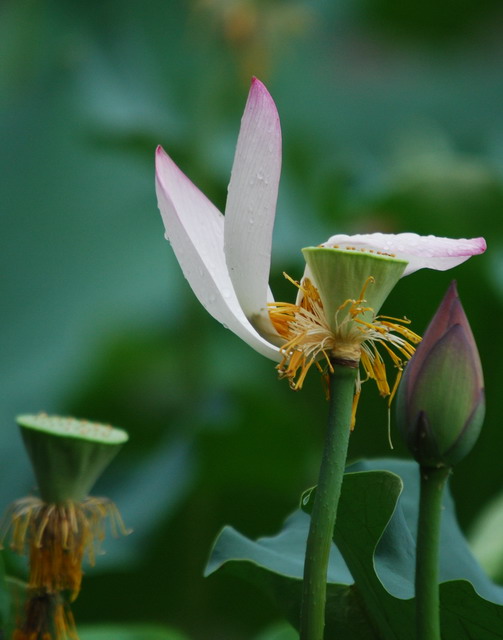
point(58, 536)
point(47, 617)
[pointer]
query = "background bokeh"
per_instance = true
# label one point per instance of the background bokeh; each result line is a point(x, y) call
point(392, 119)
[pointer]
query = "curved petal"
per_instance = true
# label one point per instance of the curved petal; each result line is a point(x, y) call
point(251, 200)
point(421, 252)
point(195, 230)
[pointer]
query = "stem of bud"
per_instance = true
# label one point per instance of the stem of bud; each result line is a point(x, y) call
point(428, 537)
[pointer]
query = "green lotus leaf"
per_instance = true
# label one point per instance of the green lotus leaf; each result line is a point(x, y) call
point(371, 571)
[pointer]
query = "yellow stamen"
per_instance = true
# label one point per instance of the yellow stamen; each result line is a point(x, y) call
point(46, 617)
point(356, 399)
point(309, 338)
point(306, 332)
point(58, 537)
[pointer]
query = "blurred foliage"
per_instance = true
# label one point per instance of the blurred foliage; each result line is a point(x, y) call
point(485, 538)
point(132, 632)
point(392, 121)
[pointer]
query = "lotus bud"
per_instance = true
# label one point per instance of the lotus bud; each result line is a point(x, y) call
point(440, 401)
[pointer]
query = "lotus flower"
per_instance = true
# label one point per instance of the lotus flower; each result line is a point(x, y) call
point(226, 260)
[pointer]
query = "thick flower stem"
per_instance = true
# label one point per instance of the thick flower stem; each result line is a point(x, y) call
point(342, 386)
point(428, 535)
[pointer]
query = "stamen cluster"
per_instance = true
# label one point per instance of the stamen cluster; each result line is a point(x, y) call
point(56, 536)
point(350, 339)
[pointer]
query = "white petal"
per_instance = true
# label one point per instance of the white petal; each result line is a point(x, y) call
point(421, 252)
point(195, 229)
point(251, 200)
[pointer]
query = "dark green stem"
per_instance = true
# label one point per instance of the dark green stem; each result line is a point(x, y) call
point(342, 387)
point(428, 536)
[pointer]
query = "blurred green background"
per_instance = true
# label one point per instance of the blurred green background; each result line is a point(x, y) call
point(392, 118)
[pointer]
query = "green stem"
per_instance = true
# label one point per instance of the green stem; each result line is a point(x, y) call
point(428, 536)
point(319, 541)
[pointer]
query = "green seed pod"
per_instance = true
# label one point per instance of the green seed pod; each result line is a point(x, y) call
point(440, 401)
point(341, 275)
point(68, 455)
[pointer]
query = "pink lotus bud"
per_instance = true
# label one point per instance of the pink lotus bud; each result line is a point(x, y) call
point(440, 401)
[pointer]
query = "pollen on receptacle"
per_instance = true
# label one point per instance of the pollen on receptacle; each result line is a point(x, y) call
point(366, 250)
point(72, 427)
